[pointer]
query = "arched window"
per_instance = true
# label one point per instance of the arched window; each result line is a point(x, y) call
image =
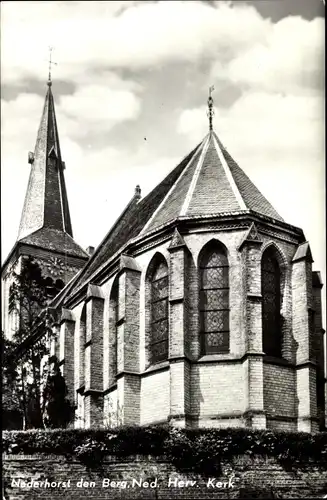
point(271, 303)
point(214, 300)
point(159, 313)
point(50, 288)
point(113, 330)
point(82, 341)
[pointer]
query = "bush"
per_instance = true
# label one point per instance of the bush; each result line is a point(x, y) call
point(198, 449)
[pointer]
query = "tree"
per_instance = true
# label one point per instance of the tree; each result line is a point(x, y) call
point(29, 295)
point(12, 411)
point(57, 409)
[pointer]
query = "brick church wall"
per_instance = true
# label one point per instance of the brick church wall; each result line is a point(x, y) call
point(155, 398)
point(216, 390)
point(280, 397)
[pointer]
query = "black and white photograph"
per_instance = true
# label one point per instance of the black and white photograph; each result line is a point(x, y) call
point(163, 242)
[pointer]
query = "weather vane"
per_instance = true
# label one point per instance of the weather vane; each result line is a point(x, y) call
point(210, 111)
point(50, 63)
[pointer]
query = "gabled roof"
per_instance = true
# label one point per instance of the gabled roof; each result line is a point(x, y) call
point(46, 203)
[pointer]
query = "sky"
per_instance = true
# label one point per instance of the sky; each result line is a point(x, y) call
point(130, 88)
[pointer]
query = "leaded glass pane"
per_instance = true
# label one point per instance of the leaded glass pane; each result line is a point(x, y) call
point(160, 271)
point(160, 288)
point(217, 342)
point(269, 264)
point(214, 321)
point(215, 259)
point(269, 281)
point(270, 288)
point(215, 277)
point(159, 313)
point(160, 351)
point(214, 299)
point(159, 310)
point(160, 330)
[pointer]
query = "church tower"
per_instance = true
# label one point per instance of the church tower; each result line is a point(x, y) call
point(45, 231)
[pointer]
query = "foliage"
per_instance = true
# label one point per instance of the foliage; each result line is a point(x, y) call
point(57, 409)
point(11, 408)
point(28, 297)
point(198, 450)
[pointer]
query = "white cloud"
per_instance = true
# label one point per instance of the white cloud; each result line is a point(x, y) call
point(288, 59)
point(90, 36)
point(95, 108)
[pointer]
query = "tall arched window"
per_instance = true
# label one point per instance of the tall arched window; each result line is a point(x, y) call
point(214, 300)
point(159, 313)
point(82, 341)
point(113, 330)
point(271, 303)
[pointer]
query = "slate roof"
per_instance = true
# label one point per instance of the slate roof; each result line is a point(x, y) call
point(46, 203)
point(212, 183)
point(55, 240)
point(45, 220)
point(303, 251)
point(207, 182)
point(131, 221)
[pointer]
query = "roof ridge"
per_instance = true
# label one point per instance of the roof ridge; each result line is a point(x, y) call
point(195, 177)
point(252, 196)
point(229, 174)
point(163, 201)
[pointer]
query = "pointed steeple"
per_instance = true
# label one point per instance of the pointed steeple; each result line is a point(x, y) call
point(46, 203)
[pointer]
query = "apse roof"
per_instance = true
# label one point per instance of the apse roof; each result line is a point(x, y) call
point(207, 182)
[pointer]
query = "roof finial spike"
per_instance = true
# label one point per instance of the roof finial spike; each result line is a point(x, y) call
point(49, 83)
point(210, 111)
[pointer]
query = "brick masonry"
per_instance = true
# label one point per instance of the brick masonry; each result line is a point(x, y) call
point(246, 474)
point(242, 387)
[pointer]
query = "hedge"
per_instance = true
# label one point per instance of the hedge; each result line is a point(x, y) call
point(198, 449)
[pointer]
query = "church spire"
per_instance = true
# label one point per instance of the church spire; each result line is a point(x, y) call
point(210, 111)
point(49, 83)
point(46, 203)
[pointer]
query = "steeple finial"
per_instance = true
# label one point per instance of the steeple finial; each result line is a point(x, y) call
point(49, 83)
point(210, 111)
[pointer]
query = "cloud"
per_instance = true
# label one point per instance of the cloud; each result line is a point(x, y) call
point(290, 59)
point(92, 35)
point(96, 109)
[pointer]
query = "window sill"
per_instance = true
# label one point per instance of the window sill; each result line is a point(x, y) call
point(157, 366)
point(217, 357)
point(274, 360)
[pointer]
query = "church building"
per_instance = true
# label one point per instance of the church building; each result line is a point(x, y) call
point(199, 307)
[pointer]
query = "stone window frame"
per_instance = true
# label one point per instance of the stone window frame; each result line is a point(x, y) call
point(206, 249)
point(156, 260)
